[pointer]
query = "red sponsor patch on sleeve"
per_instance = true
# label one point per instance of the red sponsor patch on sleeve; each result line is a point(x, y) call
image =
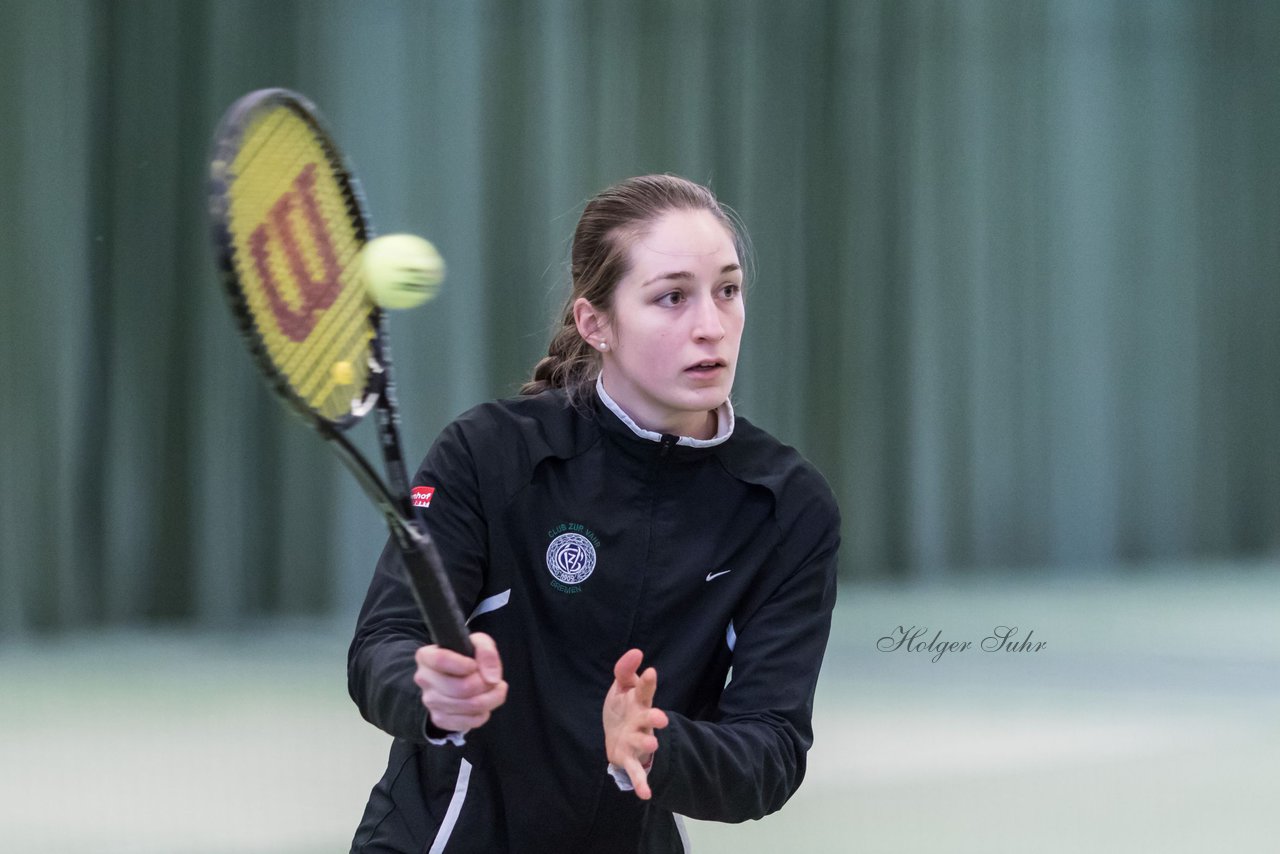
point(421, 495)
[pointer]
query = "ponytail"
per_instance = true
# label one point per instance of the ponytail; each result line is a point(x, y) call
point(570, 363)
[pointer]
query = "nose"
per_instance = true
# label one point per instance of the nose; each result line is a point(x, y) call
point(707, 324)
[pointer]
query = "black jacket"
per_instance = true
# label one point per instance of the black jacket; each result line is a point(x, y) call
point(576, 539)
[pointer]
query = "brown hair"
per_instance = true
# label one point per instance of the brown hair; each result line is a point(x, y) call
point(599, 260)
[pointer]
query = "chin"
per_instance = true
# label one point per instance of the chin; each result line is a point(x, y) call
point(704, 400)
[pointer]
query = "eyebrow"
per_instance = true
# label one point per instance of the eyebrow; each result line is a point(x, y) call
point(685, 275)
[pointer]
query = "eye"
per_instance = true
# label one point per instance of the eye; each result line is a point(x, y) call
point(730, 290)
point(671, 299)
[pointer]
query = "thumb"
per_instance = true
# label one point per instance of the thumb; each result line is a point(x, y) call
point(487, 658)
point(624, 671)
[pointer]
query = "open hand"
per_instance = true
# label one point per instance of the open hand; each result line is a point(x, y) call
point(630, 719)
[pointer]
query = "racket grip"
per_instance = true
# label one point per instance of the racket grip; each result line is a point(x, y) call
point(434, 594)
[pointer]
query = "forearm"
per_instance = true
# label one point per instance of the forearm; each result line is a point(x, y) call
point(380, 662)
point(380, 680)
point(749, 758)
point(728, 772)
point(390, 629)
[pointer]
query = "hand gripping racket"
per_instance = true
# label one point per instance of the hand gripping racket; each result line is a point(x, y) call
point(288, 226)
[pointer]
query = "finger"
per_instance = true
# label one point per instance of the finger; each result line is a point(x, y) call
point(485, 701)
point(459, 723)
point(444, 661)
point(458, 687)
point(639, 779)
point(472, 689)
point(624, 671)
point(647, 687)
point(658, 719)
point(461, 714)
point(487, 658)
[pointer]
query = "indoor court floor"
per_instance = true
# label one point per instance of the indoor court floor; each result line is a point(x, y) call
point(1149, 721)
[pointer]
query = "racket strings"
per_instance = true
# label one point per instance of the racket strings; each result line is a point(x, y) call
point(297, 239)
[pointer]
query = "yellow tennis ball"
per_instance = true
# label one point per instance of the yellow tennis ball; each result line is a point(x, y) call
point(401, 270)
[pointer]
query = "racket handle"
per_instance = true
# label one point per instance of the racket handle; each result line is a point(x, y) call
point(433, 593)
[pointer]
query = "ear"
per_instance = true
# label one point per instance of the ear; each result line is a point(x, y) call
point(593, 324)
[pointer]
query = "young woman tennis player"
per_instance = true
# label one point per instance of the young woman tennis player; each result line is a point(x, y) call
point(650, 578)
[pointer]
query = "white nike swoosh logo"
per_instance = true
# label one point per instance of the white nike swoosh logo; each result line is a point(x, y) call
point(711, 575)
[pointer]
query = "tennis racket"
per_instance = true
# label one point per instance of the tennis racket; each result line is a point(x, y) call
point(289, 223)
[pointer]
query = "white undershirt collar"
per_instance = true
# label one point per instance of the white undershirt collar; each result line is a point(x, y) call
point(723, 413)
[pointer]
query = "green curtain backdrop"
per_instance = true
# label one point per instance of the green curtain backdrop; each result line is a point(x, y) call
point(1016, 269)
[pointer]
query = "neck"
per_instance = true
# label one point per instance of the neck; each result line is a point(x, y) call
point(702, 429)
point(695, 425)
point(706, 429)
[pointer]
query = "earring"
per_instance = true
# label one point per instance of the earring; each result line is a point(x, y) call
point(604, 346)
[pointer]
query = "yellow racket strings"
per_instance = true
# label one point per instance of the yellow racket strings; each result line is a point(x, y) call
point(296, 252)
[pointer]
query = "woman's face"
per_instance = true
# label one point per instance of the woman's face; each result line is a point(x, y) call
point(676, 325)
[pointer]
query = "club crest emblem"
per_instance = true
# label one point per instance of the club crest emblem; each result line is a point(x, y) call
point(571, 558)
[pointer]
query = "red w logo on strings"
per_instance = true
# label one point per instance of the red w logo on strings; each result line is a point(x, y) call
point(316, 294)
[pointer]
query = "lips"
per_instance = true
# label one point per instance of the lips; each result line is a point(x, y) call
point(706, 366)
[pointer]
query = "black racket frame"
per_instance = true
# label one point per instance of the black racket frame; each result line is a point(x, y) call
point(425, 572)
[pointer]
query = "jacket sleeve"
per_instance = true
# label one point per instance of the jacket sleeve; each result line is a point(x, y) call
point(380, 661)
point(750, 759)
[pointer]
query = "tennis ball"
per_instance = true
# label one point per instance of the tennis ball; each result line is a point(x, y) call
point(343, 373)
point(401, 270)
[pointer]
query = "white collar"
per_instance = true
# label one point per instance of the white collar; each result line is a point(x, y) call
point(723, 413)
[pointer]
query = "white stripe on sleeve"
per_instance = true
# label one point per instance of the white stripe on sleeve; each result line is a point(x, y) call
point(455, 807)
point(492, 603)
